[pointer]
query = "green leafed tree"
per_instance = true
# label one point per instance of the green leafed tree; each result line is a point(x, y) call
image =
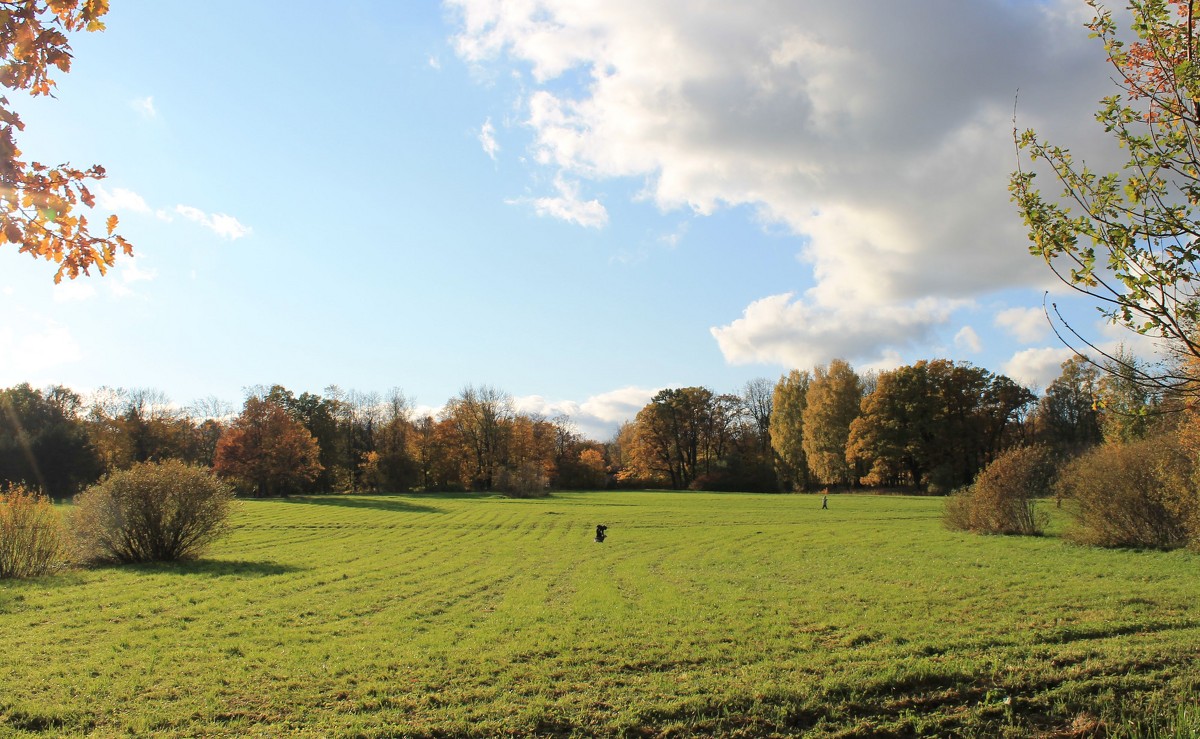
point(43, 443)
point(1130, 239)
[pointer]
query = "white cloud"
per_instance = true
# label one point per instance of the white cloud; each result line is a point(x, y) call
point(1024, 324)
point(599, 416)
point(885, 145)
point(127, 273)
point(567, 206)
point(487, 139)
point(1037, 367)
point(145, 106)
point(219, 223)
point(967, 339)
point(798, 333)
point(121, 199)
point(434, 62)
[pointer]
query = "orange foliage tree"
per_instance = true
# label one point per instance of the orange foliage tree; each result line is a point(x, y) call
point(37, 202)
point(268, 449)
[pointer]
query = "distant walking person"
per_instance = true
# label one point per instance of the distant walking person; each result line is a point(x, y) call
point(600, 535)
point(825, 502)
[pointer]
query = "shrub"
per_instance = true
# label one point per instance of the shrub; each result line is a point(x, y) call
point(151, 512)
point(1136, 494)
point(528, 480)
point(32, 538)
point(1004, 496)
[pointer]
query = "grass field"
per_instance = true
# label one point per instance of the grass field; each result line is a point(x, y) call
point(741, 615)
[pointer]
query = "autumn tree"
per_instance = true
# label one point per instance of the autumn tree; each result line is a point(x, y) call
point(39, 203)
point(268, 449)
point(209, 415)
point(1130, 239)
point(434, 448)
point(132, 425)
point(396, 468)
point(480, 417)
point(833, 401)
point(579, 463)
point(674, 436)
point(787, 427)
point(934, 424)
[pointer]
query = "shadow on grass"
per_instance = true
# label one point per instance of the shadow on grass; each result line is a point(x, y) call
point(379, 503)
point(212, 568)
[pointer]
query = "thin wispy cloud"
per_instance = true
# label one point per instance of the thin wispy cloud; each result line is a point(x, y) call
point(568, 206)
point(487, 139)
point(221, 224)
point(145, 106)
point(120, 199)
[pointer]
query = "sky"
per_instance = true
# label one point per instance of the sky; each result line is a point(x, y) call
point(578, 203)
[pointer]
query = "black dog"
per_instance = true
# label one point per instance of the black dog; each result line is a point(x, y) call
point(600, 533)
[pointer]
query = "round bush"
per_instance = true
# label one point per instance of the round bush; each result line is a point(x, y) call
point(1004, 496)
point(1138, 494)
point(151, 512)
point(32, 540)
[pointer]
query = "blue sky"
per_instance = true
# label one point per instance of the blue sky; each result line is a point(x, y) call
point(576, 203)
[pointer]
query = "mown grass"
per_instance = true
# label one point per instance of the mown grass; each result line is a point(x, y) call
point(738, 615)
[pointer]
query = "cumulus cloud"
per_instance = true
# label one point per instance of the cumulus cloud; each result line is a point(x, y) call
point(219, 223)
point(1025, 324)
point(487, 139)
point(599, 416)
point(1037, 367)
point(967, 339)
point(780, 329)
point(883, 144)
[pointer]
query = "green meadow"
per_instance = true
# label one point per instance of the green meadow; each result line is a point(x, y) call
point(703, 614)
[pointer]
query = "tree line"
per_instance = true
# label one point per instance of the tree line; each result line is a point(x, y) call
point(932, 425)
point(280, 442)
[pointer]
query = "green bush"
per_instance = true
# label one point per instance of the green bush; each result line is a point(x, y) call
point(151, 512)
point(1004, 497)
point(1136, 494)
point(32, 536)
